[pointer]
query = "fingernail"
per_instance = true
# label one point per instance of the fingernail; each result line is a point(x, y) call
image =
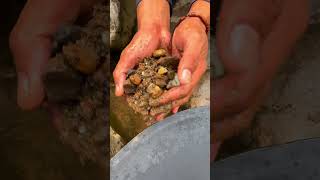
point(23, 85)
point(118, 93)
point(186, 76)
point(117, 88)
point(244, 45)
point(160, 117)
point(30, 90)
point(175, 110)
point(214, 150)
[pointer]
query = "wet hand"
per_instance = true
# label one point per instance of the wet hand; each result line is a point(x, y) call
point(190, 45)
point(254, 38)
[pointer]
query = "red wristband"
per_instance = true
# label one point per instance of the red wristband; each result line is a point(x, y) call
point(192, 14)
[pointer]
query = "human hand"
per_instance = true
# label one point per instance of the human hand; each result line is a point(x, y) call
point(190, 45)
point(253, 39)
point(31, 43)
point(153, 33)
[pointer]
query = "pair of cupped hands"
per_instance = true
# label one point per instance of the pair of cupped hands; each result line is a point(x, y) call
point(31, 44)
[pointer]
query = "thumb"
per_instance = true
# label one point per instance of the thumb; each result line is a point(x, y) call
point(188, 63)
point(30, 42)
point(30, 62)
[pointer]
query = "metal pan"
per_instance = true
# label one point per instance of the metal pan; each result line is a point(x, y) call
point(174, 149)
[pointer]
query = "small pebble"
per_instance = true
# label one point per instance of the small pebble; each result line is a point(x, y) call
point(82, 129)
point(159, 53)
point(174, 83)
point(171, 75)
point(162, 70)
point(154, 90)
point(135, 79)
point(160, 82)
point(131, 72)
point(82, 59)
point(129, 88)
point(147, 73)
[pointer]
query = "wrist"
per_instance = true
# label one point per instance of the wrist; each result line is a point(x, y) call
point(202, 9)
point(154, 14)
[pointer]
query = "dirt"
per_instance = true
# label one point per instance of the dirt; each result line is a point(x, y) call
point(151, 78)
point(116, 142)
point(77, 82)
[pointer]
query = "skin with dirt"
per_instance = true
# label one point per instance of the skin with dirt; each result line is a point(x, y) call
point(148, 81)
point(76, 81)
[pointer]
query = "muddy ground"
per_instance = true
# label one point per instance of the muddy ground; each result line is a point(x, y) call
point(292, 110)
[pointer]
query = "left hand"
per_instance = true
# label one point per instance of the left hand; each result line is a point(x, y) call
point(190, 45)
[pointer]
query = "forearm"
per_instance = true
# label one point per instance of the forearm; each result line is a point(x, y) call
point(153, 14)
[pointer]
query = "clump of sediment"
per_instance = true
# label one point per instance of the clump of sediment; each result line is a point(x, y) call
point(152, 77)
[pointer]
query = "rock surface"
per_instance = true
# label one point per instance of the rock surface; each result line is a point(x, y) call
point(122, 23)
point(116, 142)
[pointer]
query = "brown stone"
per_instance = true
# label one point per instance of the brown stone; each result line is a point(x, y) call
point(154, 90)
point(159, 53)
point(161, 82)
point(129, 88)
point(82, 59)
point(135, 79)
point(162, 70)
